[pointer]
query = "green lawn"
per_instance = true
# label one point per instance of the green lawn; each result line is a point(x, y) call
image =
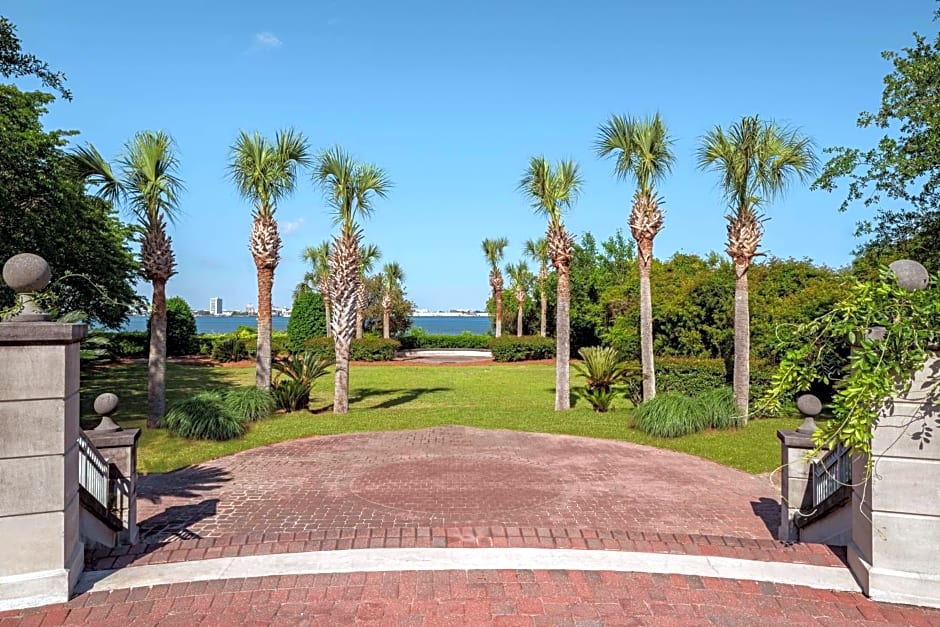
point(383, 397)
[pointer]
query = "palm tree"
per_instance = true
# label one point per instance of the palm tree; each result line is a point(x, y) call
point(521, 278)
point(319, 259)
point(493, 250)
point(537, 250)
point(147, 184)
point(368, 255)
point(552, 190)
point(756, 160)
point(392, 277)
point(643, 149)
point(349, 187)
point(265, 171)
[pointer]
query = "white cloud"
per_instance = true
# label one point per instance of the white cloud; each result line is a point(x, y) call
point(292, 226)
point(267, 40)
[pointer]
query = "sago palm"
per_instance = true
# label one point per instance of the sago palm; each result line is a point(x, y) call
point(643, 153)
point(319, 259)
point(756, 161)
point(368, 256)
point(552, 190)
point(521, 278)
point(392, 278)
point(349, 187)
point(537, 250)
point(264, 172)
point(146, 183)
point(493, 251)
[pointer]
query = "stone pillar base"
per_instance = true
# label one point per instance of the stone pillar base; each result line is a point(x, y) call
point(42, 587)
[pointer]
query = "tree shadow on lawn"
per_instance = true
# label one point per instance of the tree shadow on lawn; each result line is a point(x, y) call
point(129, 382)
point(404, 395)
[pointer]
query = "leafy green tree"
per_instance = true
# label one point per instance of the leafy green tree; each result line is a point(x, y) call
point(399, 312)
point(264, 172)
point(756, 161)
point(493, 251)
point(307, 320)
point(900, 175)
point(180, 328)
point(44, 210)
point(644, 153)
point(147, 184)
point(349, 187)
point(551, 191)
point(369, 255)
point(318, 277)
point(14, 62)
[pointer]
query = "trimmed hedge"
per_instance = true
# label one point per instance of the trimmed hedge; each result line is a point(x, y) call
point(129, 344)
point(693, 376)
point(307, 320)
point(511, 348)
point(365, 349)
point(466, 339)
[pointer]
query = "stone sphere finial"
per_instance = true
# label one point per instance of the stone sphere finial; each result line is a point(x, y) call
point(810, 406)
point(26, 273)
point(105, 405)
point(910, 274)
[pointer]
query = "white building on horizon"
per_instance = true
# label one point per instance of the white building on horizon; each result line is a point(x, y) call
point(215, 306)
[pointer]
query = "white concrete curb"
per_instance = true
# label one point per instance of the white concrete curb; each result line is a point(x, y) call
point(392, 560)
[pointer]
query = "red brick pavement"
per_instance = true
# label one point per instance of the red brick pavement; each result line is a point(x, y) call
point(456, 486)
point(486, 597)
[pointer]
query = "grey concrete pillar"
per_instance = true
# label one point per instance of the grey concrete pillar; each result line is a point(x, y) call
point(895, 548)
point(119, 448)
point(795, 477)
point(41, 555)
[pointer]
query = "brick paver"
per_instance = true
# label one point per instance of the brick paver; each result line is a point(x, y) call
point(484, 597)
point(457, 486)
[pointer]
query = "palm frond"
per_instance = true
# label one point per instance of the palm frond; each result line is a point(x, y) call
point(549, 189)
point(148, 170)
point(87, 163)
point(643, 148)
point(349, 186)
point(493, 250)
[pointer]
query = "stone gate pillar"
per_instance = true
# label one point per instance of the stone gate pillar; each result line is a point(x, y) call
point(41, 555)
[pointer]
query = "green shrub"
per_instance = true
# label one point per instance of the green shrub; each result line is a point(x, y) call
point(203, 417)
point(280, 343)
point(717, 408)
point(294, 379)
point(249, 403)
point(510, 348)
point(689, 375)
point(417, 338)
point(603, 370)
point(365, 349)
point(129, 344)
point(307, 320)
point(229, 347)
point(180, 328)
point(668, 415)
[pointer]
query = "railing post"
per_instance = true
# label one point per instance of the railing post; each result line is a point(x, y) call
point(119, 447)
point(795, 469)
point(41, 554)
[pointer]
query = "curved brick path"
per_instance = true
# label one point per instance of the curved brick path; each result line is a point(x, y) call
point(455, 486)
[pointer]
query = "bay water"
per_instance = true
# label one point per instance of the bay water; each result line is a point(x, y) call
point(434, 325)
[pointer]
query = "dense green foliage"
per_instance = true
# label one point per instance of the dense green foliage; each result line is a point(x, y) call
point(417, 338)
point(673, 414)
point(307, 320)
point(900, 175)
point(869, 375)
point(44, 210)
point(511, 348)
point(399, 314)
point(364, 349)
point(14, 62)
point(181, 336)
point(205, 416)
point(718, 408)
point(294, 377)
point(530, 313)
point(249, 403)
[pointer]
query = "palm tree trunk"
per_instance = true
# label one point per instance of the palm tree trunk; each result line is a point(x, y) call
point(263, 356)
point(563, 339)
point(519, 306)
point(156, 362)
point(498, 299)
point(328, 310)
point(644, 262)
point(341, 378)
point(544, 314)
point(344, 264)
point(386, 317)
point(742, 340)
point(360, 304)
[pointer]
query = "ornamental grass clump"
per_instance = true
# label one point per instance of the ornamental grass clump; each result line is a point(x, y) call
point(668, 415)
point(718, 409)
point(205, 416)
point(250, 403)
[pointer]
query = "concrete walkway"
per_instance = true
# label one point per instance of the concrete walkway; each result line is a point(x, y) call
point(453, 525)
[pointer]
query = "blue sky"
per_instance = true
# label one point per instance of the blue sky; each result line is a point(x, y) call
point(452, 98)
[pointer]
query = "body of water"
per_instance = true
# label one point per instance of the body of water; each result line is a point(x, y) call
point(443, 325)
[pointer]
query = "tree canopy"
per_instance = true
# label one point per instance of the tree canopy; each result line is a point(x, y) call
point(15, 63)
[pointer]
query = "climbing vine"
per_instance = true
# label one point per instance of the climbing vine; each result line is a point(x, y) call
point(867, 347)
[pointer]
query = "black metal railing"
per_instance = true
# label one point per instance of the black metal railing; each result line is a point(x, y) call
point(831, 473)
point(94, 472)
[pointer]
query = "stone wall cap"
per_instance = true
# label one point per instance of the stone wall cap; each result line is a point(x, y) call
point(112, 439)
point(792, 439)
point(12, 332)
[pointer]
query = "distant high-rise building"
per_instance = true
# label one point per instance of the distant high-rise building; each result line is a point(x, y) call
point(215, 306)
point(250, 309)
